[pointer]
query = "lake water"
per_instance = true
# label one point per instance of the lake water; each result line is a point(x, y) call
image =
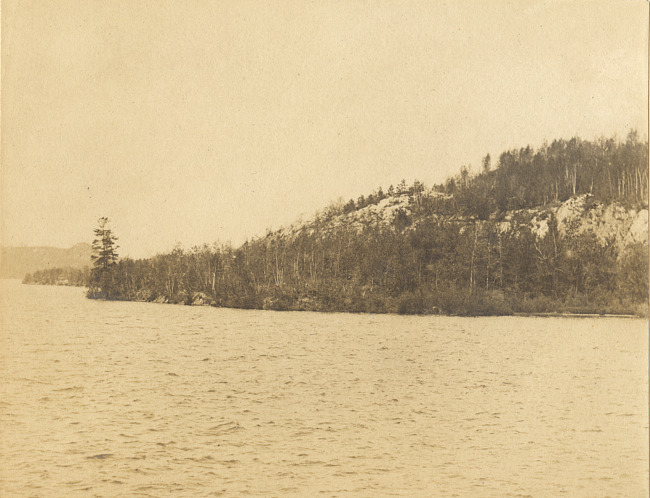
point(136, 399)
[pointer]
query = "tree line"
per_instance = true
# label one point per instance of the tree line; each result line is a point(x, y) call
point(437, 266)
point(608, 169)
point(59, 276)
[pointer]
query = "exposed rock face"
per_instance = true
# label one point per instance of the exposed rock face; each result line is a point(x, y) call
point(609, 222)
point(381, 213)
point(638, 231)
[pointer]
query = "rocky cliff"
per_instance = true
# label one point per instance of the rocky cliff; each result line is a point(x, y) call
point(611, 223)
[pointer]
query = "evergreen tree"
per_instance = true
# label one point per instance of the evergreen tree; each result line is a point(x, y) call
point(104, 260)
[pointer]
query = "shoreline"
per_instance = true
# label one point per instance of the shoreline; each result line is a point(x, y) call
point(314, 309)
point(556, 314)
point(551, 314)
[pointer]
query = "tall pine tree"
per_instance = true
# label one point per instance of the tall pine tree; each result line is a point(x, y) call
point(104, 260)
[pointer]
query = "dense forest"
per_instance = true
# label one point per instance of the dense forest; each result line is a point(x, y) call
point(468, 246)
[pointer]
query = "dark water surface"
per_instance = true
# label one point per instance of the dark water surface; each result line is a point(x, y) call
point(134, 399)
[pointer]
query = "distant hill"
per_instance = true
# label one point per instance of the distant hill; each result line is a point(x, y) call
point(15, 262)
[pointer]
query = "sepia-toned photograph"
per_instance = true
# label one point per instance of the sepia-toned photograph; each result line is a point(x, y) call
point(339, 249)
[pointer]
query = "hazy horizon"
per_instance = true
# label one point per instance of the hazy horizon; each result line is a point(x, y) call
point(194, 123)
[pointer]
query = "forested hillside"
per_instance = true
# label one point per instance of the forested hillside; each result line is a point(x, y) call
point(561, 228)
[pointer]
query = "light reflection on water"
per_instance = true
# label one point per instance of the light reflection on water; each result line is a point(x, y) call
point(135, 399)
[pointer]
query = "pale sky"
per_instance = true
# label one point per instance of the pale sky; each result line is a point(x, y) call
point(202, 121)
